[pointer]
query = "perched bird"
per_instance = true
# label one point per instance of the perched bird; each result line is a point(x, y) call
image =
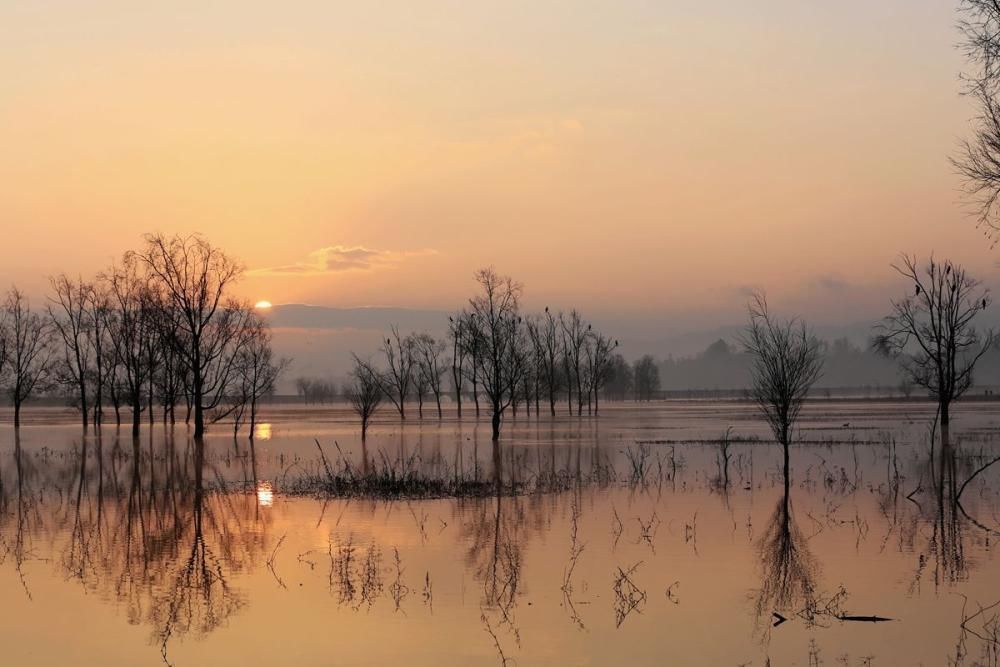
point(984, 303)
point(917, 293)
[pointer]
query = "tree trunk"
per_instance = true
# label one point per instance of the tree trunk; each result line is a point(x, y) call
point(945, 413)
point(17, 414)
point(475, 392)
point(496, 425)
point(136, 415)
point(83, 404)
point(199, 409)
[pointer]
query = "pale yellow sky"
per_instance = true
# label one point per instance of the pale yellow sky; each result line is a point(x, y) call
point(625, 157)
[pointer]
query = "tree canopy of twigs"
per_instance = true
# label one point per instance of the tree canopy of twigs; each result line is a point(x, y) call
point(978, 158)
point(787, 361)
point(932, 332)
point(27, 349)
point(365, 392)
point(503, 362)
point(195, 278)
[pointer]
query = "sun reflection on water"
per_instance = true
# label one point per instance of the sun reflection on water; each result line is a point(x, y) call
point(262, 431)
point(265, 494)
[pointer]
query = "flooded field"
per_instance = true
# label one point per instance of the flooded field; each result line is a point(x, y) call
point(647, 536)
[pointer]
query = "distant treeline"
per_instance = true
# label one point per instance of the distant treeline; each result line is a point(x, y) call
point(725, 366)
point(722, 370)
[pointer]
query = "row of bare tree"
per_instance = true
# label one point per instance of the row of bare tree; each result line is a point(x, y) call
point(159, 328)
point(498, 356)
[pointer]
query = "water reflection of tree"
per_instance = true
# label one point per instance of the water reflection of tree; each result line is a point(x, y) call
point(143, 527)
point(496, 532)
point(788, 581)
point(947, 543)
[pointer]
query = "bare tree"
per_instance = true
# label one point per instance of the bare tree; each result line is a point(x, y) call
point(552, 352)
point(421, 385)
point(400, 358)
point(132, 327)
point(931, 331)
point(5, 344)
point(978, 161)
point(257, 369)
point(787, 361)
point(71, 319)
point(457, 333)
point(646, 378)
point(99, 312)
point(195, 277)
point(599, 357)
point(29, 349)
point(432, 364)
point(503, 361)
point(574, 340)
point(474, 346)
point(365, 392)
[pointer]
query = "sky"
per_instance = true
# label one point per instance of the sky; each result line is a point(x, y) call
point(649, 161)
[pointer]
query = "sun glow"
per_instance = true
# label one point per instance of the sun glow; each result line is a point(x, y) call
point(262, 305)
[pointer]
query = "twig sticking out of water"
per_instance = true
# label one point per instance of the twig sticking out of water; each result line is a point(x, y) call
point(428, 593)
point(270, 562)
point(671, 595)
point(616, 527)
point(628, 596)
point(398, 589)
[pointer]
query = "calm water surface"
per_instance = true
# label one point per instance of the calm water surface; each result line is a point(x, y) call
point(122, 553)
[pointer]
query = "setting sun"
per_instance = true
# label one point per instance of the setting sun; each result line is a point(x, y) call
point(262, 305)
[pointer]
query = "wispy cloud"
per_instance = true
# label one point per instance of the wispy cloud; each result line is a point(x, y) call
point(338, 258)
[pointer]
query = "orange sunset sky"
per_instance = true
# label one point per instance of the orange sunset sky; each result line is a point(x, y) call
point(624, 157)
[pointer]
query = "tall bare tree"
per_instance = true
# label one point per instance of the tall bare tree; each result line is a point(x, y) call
point(432, 364)
point(195, 278)
point(646, 376)
point(71, 318)
point(365, 392)
point(787, 361)
point(399, 378)
point(503, 361)
point(474, 346)
point(575, 334)
point(99, 312)
point(257, 369)
point(457, 334)
point(133, 327)
point(29, 349)
point(932, 331)
point(550, 343)
point(5, 344)
point(978, 160)
point(599, 359)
